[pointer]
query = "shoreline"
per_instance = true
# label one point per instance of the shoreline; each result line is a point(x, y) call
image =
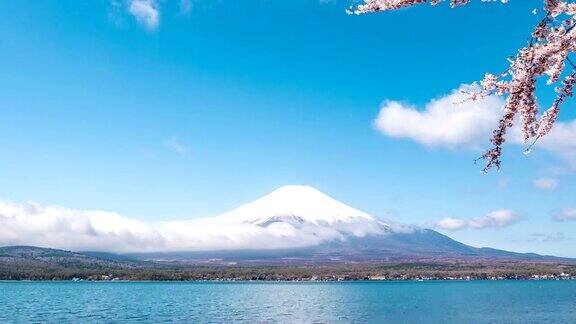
point(392, 280)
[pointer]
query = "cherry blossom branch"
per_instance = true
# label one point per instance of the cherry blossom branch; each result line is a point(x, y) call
point(546, 54)
point(385, 5)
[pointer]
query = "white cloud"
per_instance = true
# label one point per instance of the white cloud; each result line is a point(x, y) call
point(444, 122)
point(448, 122)
point(495, 219)
point(498, 218)
point(175, 144)
point(568, 214)
point(59, 227)
point(545, 183)
point(146, 12)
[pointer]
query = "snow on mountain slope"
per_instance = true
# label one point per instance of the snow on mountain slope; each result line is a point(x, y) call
point(294, 203)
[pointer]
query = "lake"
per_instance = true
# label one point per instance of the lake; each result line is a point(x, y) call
point(287, 302)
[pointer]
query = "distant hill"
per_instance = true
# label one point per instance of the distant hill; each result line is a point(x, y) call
point(34, 257)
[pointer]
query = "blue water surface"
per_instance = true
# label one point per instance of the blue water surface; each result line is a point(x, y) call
point(286, 302)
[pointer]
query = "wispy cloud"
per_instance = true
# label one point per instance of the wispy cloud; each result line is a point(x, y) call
point(545, 183)
point(176, 145)
point(567, 214)
point(495, 219)
point(146, 12)
point(547, 238)
point(185, 6)
point(503, 182)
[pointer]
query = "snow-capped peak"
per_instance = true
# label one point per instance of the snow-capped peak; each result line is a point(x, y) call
point(302, 203)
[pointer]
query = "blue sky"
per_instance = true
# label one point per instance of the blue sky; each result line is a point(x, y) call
point(207, 108)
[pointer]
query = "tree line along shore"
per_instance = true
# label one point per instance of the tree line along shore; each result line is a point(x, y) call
point(515, 271)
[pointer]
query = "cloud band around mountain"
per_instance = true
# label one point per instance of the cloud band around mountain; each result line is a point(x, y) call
point(92, 230)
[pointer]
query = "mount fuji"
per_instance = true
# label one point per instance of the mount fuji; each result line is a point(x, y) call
point(300, 224)
point(304, 208)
